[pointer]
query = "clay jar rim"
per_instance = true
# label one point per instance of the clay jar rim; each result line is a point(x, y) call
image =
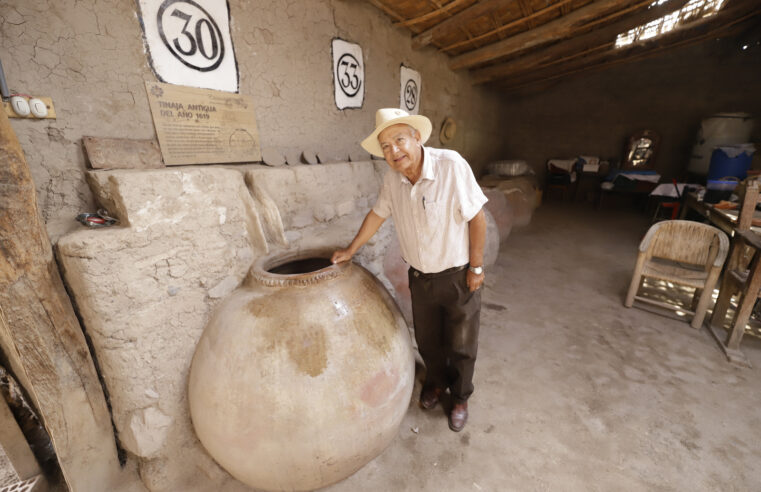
point(260, 274)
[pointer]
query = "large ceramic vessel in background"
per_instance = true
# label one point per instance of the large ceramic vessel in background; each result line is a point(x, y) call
point(302, 375)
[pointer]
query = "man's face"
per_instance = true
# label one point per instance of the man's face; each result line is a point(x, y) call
point(401, 147)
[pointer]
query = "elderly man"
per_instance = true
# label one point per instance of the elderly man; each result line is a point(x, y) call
point(437, 209)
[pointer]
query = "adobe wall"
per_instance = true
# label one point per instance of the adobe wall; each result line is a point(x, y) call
point(595, 112)
point(89, 57)
point(188, 234)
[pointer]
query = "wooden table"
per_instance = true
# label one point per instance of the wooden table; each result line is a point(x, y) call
point(726, 220)
point(640, 190)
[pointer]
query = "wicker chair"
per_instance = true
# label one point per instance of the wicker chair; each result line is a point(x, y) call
point(682, 252)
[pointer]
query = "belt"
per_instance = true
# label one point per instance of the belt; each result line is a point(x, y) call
point(448, 271)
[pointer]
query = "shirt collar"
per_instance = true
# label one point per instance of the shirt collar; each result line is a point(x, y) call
point(428, 165)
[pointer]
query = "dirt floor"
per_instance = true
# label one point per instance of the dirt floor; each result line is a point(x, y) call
point(576, 392)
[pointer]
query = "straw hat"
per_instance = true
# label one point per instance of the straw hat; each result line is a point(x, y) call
point(387, 117)
point(448, 130)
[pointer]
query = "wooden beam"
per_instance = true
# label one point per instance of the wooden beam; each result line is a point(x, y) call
point(41, 337)
point(456, 21)
point(575, 45)
point(433, 14)
point(526, 11)
point(627, 59)
point(682, 37)
point(385, 8)
point(738, 12)
point(509, 25)
point(496, 23)
point(552, 31)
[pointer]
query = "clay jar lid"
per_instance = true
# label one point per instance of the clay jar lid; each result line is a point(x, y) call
point(282, 269)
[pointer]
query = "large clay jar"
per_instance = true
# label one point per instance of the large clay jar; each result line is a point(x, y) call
point(302, 375)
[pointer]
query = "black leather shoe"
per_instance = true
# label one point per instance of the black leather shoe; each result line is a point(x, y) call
point(429, 397)
point(458, 416)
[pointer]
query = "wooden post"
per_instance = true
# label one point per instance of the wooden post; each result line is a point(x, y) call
point(40, 334)
point(15, 445)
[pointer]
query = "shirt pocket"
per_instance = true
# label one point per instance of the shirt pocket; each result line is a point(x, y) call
point(435, 216)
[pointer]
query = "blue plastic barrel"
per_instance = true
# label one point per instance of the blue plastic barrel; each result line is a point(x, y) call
point(722, 165)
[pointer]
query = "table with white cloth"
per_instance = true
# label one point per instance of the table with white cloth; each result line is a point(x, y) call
point(643, 184)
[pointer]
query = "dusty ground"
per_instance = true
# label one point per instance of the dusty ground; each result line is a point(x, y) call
point(576, 392)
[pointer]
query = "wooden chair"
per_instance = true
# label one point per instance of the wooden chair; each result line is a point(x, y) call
point(560, 180)
point(742, 277)
point(670, 204)
point(683, 252)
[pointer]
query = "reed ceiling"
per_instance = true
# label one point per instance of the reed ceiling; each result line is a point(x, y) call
point(515, 43)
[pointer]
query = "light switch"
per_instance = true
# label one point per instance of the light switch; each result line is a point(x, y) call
point(26, 107)
point(38, 108)
point(20, 106)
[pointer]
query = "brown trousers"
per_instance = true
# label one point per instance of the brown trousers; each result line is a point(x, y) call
point(446, 318)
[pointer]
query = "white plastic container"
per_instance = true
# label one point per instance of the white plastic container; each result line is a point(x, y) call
point(720, 129)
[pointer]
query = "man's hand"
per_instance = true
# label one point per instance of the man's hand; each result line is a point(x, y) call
point(369, 226)
point(477, 239)
point(475, 281)
point(341, 255)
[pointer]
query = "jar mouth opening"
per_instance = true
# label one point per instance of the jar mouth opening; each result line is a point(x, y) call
point(296, 268)
point(304, 265)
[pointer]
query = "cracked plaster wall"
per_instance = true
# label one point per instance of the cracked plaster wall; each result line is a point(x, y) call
point(146, 288)
point(88, 55)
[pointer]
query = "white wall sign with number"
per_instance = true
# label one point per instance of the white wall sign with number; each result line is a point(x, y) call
point(188, 42)
point(348, 74)
point(410, 94)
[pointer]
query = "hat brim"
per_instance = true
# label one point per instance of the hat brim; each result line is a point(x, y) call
point(416, 121)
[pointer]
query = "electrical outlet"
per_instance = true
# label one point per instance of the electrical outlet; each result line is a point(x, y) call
point(37, 108)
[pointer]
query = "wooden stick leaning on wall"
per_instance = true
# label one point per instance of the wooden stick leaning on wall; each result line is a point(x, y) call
point(42, 339)
point(748, 206)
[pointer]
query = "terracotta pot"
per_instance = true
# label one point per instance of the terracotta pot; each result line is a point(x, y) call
point(501, 211)
point(395, 269)
point(302, 375)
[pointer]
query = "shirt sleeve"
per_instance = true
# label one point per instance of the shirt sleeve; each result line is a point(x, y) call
point(468, 195)
point(382, 207)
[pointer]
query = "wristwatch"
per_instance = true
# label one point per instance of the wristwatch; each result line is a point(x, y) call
point(477, 270)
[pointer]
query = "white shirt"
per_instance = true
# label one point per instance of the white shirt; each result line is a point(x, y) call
point(431, 216)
